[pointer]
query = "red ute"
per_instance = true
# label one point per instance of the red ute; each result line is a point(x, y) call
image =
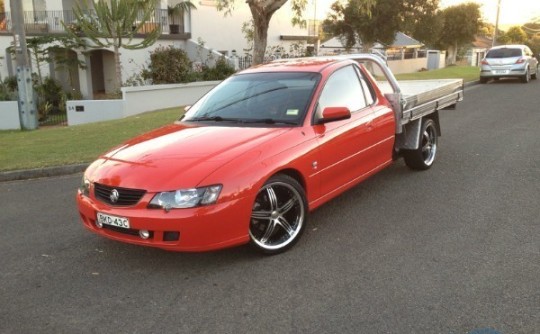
point(247, 162)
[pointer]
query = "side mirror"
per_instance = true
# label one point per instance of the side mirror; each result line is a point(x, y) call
point(332, 114)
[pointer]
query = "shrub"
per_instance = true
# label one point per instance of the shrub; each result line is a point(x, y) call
point(8, 89)
point(220, 71)
point(50, 91)
point(168, 65)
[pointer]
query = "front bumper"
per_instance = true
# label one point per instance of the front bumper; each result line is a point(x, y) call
point(197, 229)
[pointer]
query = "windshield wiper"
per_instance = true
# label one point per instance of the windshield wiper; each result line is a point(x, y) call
point(213, 119)
point(270, 121)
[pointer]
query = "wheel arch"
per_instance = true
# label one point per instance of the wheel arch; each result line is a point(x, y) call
point(409, 138)
point(295, 174)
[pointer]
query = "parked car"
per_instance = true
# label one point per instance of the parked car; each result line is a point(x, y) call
point(255, 155)
point(509, 61)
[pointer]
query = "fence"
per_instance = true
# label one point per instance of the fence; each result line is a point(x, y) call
point(54, 117)
point(51, 21)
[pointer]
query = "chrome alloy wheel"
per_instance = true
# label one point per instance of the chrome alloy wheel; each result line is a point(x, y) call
point(278, 215)
point(429, 144)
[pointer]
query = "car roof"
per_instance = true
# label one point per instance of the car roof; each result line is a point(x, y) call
point(308, 64)
point(509, 46)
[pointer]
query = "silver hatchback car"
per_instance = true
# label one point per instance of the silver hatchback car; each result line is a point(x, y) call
point(507, 61)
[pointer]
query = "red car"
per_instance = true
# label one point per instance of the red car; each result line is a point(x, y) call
point(247, 162)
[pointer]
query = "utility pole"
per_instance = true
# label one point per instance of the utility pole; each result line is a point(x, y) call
point(27, 103)
point(496, 24)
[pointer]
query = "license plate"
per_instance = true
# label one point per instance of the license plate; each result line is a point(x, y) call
point(501, 72)
point(113, 220)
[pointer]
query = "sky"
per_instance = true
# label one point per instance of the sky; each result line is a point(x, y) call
point(512, 12)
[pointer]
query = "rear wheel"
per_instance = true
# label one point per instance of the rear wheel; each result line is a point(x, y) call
point(423, 157)
point(526, 77)
point(279, 213)
point(534, 75)
point(483, 80)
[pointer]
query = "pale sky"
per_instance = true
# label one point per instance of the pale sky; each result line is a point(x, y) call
point(512, 12)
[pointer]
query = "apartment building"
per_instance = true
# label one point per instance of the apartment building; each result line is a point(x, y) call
point(218, 32)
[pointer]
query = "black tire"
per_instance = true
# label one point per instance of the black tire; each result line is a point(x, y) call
point(483, 80)
point(279, 215)
point(534, 76)
point(526, 77)
point(424, 156)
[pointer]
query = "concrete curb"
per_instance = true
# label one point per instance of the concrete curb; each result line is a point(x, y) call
point(41, 172)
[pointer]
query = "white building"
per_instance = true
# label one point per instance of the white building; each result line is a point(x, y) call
point(217, 32)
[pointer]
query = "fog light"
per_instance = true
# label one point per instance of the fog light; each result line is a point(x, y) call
point(99, 224)
point(144, 234)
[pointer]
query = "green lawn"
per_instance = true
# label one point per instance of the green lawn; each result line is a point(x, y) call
point(467, 73)
point(57, 146)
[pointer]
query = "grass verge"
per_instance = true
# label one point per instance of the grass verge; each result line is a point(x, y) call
point(467, 73)
point(57, 146)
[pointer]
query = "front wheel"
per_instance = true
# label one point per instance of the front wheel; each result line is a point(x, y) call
point(423, 157)
point(279, 214)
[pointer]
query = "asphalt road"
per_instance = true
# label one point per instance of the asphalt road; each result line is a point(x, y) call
point(455, 249)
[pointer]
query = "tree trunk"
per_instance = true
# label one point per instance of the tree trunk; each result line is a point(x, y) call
point(262, 12)
point(260, 38)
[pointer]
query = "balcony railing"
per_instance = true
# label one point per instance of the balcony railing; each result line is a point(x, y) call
point(51, 22)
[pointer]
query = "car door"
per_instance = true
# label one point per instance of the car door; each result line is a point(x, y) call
point(348, 148)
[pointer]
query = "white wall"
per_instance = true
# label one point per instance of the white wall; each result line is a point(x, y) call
point(136, 100)
point(224, 33)
point(407, 65)
point(148, 98)
point(90, 111)
point(9, 116)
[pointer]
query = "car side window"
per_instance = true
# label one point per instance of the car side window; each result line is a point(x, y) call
point(366, 87)
point(343, 89)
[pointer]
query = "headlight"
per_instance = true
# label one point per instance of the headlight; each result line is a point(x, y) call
point(186, 198)
point(85, 186)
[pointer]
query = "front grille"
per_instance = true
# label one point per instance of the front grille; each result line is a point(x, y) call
point(126, 197)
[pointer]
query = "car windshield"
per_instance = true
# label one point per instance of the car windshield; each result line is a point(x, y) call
point(257, 98)
point(504, 53)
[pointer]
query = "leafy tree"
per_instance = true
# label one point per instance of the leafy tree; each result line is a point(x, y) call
point(371, 21)
point(262, 12)
point(461, 23)
point(422, 20)
point(532, 29)
point(114, 23)
point(42, 50)
point(486, 30)
point(516, 35)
